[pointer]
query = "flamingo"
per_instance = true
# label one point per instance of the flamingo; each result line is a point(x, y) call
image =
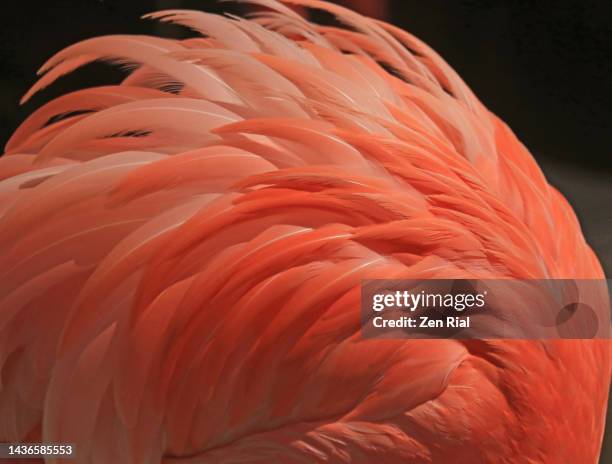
point(181, 255)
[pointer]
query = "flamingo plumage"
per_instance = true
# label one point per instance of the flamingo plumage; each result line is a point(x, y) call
point(181, 255)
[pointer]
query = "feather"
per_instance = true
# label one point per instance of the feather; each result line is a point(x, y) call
point(149, 115)
point(87, 100)
point(329, 149)
point(219, 28)
point(133, 49)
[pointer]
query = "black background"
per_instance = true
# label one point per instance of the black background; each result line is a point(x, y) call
point(544, 67)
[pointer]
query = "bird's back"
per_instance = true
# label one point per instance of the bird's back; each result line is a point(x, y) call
point(181, 256)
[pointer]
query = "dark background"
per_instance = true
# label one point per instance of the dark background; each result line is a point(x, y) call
point(544, 67)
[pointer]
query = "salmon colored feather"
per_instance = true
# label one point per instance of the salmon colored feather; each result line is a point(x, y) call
point(181, 256)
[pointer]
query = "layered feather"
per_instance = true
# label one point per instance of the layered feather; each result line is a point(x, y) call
point(181, 270)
